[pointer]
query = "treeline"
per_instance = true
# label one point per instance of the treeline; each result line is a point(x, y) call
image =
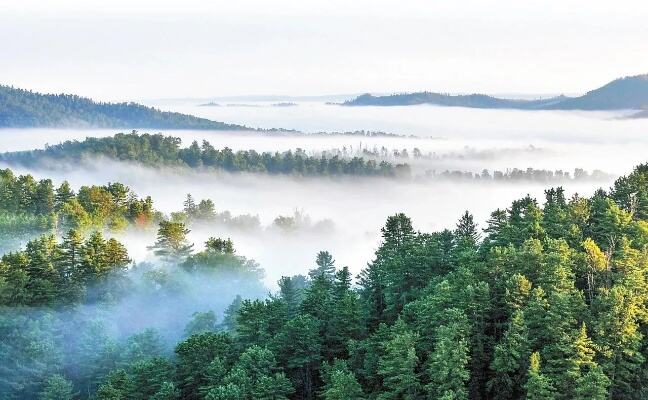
point(26, 109)
point(159, 150)
point(546, 302)
point(516, 175)
point(29, 206)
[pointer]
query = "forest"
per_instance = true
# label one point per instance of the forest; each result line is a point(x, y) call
point(547, 301)
point(159, 150)
point(29, 206)
point(21, 108)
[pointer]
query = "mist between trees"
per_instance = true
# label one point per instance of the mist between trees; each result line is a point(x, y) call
point(545, 302)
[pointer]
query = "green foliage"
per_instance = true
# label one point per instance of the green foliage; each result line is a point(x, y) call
point(448, 363)
point(29, 208)
point(441, 315)
point(26, 109)
point(57, 388)
point(49, 273)
point(159, 150)
point(200, 323)
point(172, 245)
point(339, 383)
point(398, 365)
point(537, 386)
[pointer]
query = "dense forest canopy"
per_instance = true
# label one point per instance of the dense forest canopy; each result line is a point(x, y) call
point(29, 207)
point(546, 302)
point(21, 108)
point(159, 150)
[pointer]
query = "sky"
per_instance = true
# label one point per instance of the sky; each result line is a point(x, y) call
point(147, 49)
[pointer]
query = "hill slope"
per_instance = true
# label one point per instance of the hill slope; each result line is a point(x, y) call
point(624, 93)
point(25, 109)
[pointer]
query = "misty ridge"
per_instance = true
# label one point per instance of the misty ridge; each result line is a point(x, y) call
point(166, 151)
point(623, 93)
point(182, 293)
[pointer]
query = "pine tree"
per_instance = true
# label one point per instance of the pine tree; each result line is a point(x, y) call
point(201, 322)
point(466, 230)
point(57, 388)
point(229, 318)
point(172, 245)
point(194, 357)
point(593, 385)
point(398, 366)
point(69, 262)
point(510, 360)
point(325, 266)
point(290, 295)
point(448, 365)
point(340, 383)
point(537, 386)
point(298, 347)
point(64, 194)
point(168, 391)
point(190, 208)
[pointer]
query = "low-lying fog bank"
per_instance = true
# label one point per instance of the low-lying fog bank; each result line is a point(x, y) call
point(357, 208)
point(449, 139)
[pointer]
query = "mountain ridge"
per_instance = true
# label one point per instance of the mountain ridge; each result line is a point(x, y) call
point(623, 93)
point(20, 108)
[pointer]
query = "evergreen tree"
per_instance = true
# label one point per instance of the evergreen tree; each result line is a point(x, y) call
point(290, 295)
point(398, 366)
point(172, 245)
point(537, 386)
point(298, 347)
point(64, 193)
point(325, 266)
point(448, 363)
point(190, 207)
point(466, 230)
point(57, 388)
point(340, 383)
point(510, 360)
point(593, 385)
point(201, 322)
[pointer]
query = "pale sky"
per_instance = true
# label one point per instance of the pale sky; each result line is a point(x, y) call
point(137, 49)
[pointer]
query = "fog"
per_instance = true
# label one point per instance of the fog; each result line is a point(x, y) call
point(341, 214)
point(357, 207)
point(559, 139)
point(449, 138)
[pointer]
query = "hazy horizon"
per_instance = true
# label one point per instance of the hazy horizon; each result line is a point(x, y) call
point(157, 50)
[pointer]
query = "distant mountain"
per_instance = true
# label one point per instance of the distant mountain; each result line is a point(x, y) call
point(625, 93)
point(26, 109)
point(471, 100)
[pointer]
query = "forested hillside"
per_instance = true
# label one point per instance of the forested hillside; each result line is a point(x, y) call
point(26, 109)
point(623, 93)
point(546, 302)
point(159, 150)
